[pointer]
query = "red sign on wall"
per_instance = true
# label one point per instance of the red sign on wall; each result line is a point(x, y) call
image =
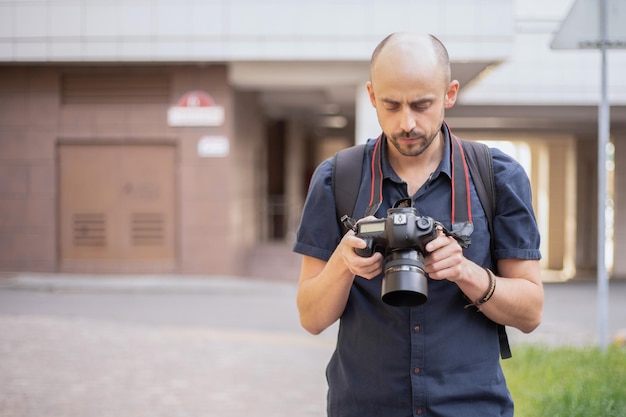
point(195, 108)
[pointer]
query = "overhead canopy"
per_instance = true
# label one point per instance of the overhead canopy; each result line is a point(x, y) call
point(581, 27)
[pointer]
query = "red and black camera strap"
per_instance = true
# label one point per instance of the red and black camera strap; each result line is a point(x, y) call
point(461, 203)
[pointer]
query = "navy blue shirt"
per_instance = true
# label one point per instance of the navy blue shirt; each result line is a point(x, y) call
point(438, 359)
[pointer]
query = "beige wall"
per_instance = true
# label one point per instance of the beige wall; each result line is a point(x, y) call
point(29, 125)
point(215, 195)
point(220, 201)
point(206, 184)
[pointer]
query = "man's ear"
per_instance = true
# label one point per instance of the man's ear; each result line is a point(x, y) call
point(451, 94)
point(370, 92)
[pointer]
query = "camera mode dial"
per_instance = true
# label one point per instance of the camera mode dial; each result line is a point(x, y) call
point(424, 223)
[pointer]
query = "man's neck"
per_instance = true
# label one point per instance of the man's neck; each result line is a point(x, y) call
point(415, 170)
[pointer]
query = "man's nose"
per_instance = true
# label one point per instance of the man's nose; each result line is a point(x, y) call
point(407, 122)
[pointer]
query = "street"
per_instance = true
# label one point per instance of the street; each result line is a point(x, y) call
point(122, 346)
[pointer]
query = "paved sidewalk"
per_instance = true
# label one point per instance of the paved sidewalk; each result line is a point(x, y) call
point(134, 346)
point(156, 346)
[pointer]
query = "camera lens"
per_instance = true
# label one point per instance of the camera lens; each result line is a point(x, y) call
point(404, 283)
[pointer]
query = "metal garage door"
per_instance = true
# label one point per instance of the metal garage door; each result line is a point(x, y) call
point(116, 207)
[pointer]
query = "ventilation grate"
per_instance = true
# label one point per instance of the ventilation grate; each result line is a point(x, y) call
point(89, 229)
point(115, 89)
point(147, 229)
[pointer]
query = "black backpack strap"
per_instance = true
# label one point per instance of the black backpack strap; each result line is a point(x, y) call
point(347, 167)
point(480, 164)
point(461, 214)
point(505, 347)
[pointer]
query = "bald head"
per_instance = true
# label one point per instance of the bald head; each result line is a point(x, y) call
point(422, 49)
point(410, 88)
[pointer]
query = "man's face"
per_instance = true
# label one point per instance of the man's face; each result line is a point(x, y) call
point(410, 102)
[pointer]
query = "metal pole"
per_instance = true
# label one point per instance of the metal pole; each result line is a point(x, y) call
point(603, 140)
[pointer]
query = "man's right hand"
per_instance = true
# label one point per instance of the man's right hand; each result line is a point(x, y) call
point(365, 267)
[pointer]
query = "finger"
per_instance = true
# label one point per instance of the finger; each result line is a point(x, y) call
point(438, 243)
point(368, 267)
point(352, 241)
point(368, 218)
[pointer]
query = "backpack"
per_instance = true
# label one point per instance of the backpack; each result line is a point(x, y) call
point(346, 180)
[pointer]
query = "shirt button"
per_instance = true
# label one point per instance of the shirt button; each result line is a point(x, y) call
point(416, 371)
point(416, 329)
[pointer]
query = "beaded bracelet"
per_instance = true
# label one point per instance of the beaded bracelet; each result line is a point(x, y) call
point(488, 294)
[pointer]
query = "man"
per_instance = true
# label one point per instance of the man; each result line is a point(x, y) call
point(440, 358)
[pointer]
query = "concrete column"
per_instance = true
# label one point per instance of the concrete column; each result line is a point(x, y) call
point(562, 207)
point(539, 177)
point(619, 196)
point(295, 172)
point(554, 194)
point(366, 121)
point(587, 192)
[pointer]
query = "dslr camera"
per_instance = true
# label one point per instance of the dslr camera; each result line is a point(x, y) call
point(401, 237)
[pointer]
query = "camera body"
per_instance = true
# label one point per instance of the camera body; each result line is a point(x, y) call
point(403, 228)
point(402, 238)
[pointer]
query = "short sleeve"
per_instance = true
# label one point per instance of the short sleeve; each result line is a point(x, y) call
point(319, 231)
point(516, 234)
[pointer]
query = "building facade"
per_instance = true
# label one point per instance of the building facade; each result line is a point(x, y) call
point(165, 136)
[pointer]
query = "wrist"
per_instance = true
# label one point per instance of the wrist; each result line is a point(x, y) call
point(489, 292)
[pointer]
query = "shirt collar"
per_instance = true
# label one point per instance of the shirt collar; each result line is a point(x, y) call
point(444, 166)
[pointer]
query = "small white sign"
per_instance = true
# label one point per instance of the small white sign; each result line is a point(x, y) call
point(213, 147)
point(195, 116)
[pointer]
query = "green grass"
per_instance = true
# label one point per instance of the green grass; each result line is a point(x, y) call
point(567, 382)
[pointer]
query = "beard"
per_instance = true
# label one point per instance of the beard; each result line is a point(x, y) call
point(412, 143)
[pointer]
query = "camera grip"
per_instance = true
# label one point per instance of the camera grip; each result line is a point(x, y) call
point(367, 251)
